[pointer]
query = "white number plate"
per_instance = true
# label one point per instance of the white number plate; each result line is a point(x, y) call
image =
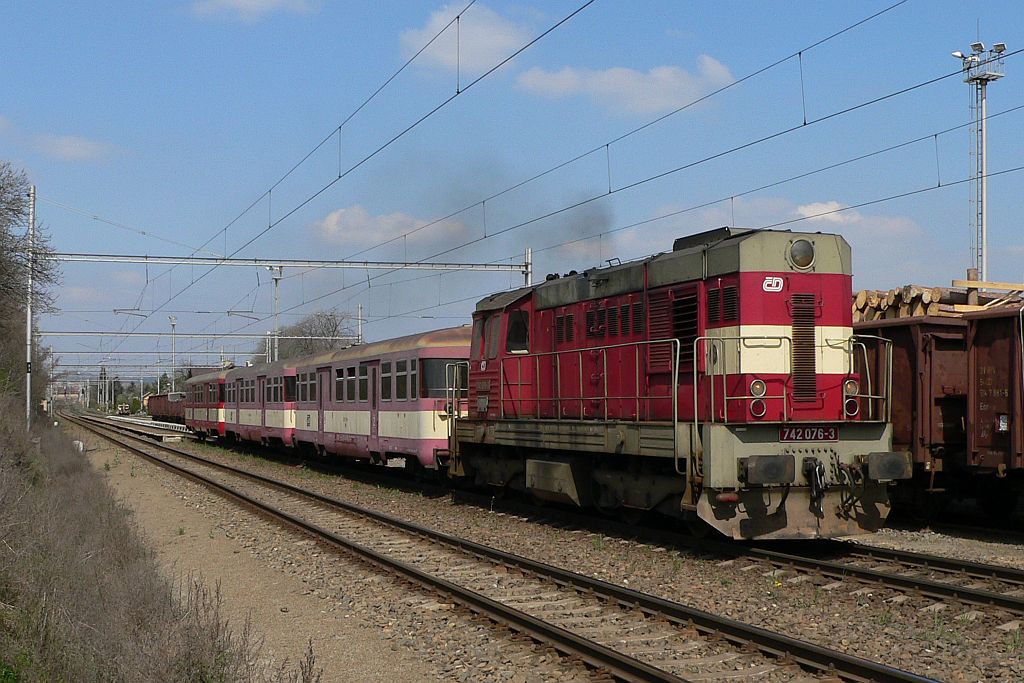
point(809, 433)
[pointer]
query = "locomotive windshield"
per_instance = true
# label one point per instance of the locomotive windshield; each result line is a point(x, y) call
point(434, 381)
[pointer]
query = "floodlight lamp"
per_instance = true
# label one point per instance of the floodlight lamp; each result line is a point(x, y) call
point(978, 47)
point(999, 48)
point(958, 54)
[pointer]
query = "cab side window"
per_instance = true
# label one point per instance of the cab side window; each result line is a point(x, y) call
point(491, 336)
point(518, 337)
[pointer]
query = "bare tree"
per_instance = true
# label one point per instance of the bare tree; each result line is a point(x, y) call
point(331, 323)
point(14, 264)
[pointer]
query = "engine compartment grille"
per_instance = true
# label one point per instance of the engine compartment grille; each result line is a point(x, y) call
point(805, 376)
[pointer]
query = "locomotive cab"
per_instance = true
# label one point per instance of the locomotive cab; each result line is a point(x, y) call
point(719, 381)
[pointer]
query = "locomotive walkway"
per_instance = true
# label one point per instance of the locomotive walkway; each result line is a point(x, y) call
point(630, 635)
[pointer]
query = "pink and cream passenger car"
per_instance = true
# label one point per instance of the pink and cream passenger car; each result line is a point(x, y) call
point(204, 403)
point(260, 403)
point(386, 402)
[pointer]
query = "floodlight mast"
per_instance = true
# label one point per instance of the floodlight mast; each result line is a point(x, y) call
point(980, 68)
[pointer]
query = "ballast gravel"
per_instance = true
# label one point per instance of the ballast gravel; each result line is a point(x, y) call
point(942, 640)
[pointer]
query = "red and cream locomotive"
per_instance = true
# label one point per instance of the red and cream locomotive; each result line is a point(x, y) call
point(717, 382)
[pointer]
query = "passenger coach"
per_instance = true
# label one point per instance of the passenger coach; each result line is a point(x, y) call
point(385, 402)
point(260, 404)
point(204, 408)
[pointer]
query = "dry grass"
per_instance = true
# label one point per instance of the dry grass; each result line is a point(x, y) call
point(81, 597)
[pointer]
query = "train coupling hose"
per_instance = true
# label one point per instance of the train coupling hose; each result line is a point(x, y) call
point(814, 472)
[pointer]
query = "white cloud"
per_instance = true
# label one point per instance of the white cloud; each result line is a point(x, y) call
point(129, 278)
point(628, 91)
point(71, 147)
point(830, 212)
point(355, 227)
point(84, 295)
point(484, 39)
point(252, 10)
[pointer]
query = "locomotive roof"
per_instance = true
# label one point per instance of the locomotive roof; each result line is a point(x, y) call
point(694, 257)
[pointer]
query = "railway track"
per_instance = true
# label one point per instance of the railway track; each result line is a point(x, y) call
point(630, 635)
point(942, 579)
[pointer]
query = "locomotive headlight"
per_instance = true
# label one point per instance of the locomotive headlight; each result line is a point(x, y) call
point(758, 408)
point(851, 407)
point(758, 388)
point(851, 387)
point(801, 253)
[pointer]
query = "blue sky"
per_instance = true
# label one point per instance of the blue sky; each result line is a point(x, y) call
point(172, 117)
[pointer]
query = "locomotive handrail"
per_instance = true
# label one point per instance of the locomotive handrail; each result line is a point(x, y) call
point(558, 399)
point(886, 396)
point(718, 342)
point(454, 402)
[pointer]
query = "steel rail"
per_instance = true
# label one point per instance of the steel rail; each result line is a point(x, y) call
point(832, 568)
point(925, 561)
point(808, 655)
point(842, 570)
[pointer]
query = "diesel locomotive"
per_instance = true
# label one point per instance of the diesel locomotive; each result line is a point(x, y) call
point(717, 382)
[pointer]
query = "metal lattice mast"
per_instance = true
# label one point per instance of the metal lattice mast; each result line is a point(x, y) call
point(981, 67)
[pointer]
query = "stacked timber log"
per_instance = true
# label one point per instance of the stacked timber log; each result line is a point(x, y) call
point(919, 300)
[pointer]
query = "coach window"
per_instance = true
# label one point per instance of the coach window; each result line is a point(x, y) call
point(413, 386)
point(302, 387)
point(518, 338)
point(385, 381)
point(350, 383)
point(401, 378)
point(220, 393)
point(339, 385)
point(363, 388)
point(491, 336)
point(313, 378)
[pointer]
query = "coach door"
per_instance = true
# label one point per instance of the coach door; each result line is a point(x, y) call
point(368, 391)
point(262, 398)
point(324, 385)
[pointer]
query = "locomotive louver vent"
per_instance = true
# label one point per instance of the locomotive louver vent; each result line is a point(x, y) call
point(624, 314)
point(660, 355)
point(684, 322)
point(638, 317)
point(613, 321)
point(591, 324)
point(805, 377)
point(602, 322)
point(730, 304)
point(714, 305)
point(570, 327)
point(559, 329)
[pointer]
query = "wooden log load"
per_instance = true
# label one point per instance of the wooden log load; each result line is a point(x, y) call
point(913, 300)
